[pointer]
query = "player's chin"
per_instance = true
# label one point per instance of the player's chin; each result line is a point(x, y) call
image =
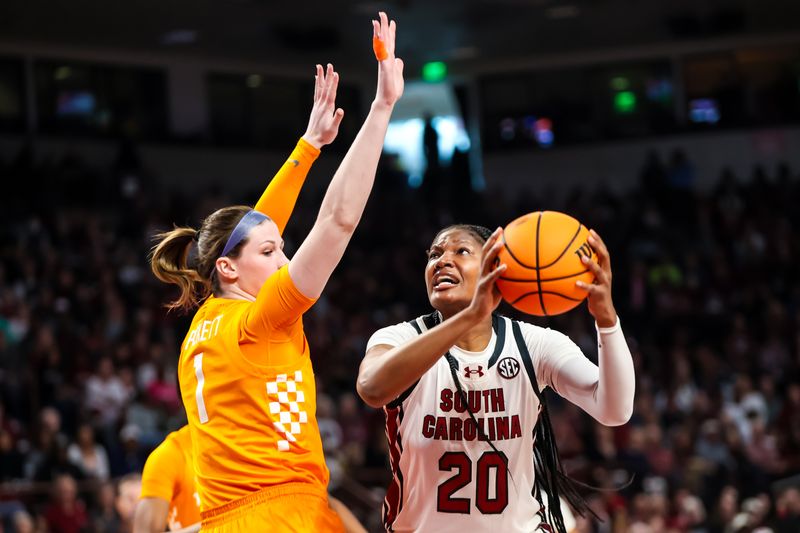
point(449, 298)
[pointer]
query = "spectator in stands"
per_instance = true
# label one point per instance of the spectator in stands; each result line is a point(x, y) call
point(105, 393)
point(66, 513)
point(88, 455)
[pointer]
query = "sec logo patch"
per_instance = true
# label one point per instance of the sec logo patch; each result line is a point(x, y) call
point(508, 367)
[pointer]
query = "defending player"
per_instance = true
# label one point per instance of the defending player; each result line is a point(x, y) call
point(245, 371)
point(169, 499)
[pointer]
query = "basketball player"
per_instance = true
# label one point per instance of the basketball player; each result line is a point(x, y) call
point(245, 371)
point(169, 499)
point(461, 389)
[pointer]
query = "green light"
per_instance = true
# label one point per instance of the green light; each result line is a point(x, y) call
point(620, 83)
point(434, 71)
point(625, 102)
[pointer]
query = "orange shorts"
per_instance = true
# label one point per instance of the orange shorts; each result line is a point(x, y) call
point(293, 507)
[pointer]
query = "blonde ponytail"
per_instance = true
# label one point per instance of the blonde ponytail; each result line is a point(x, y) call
point(168, 261)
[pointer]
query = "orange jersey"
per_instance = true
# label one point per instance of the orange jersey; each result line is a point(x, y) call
point(169, 475)
point(249, 393)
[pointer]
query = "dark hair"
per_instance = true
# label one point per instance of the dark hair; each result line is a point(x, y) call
point(551, 478)
point(173, 259)
point(479, 232)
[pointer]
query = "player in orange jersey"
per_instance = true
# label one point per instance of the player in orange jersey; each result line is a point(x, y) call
point(245, 371)
point(169, 499)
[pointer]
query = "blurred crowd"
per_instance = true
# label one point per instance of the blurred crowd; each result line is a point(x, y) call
point(704, 281)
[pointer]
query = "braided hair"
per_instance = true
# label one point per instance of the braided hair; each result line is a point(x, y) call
point(550, 478)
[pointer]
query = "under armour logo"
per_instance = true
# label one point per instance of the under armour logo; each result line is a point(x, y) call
point(468, 372)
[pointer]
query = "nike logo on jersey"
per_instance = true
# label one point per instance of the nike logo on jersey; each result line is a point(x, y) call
point(295, 162)
point(469, 373)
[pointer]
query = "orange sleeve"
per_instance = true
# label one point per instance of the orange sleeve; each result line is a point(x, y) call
point(161, 472)
point(279, 305)
point(281, 194)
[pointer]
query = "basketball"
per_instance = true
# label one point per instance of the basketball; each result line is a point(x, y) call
point(543, 253)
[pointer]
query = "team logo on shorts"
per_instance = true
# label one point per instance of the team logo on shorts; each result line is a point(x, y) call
point(508, 367)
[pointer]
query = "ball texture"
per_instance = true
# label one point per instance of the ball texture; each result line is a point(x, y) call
point(542, 251)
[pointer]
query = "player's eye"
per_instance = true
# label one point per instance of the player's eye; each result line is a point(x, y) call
point(463, 250)
point(433, 254)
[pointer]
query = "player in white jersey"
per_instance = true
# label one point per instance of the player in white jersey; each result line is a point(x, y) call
point(470, 440)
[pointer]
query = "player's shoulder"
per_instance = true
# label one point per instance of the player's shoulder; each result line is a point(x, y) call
point(407, 326)
point(180, 437)
point(535, 336)
point(396, 334)
point(174, 446)
point(526, 328)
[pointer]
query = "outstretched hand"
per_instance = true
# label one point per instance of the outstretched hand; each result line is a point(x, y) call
point(390, 68)
point(323, 124)
point(487, 296)
point(601, 305)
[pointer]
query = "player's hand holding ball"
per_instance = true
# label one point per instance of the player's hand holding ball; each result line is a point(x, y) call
point(554, 263)
point(601, 306)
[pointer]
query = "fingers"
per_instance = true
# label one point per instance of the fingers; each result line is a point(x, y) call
point(338, 115)
point(491, 240)
point(600, 249)
point(384, 30)
point(491, 248)
point(392, 32)
point(384, 25)
point(495, 274)
point(494, 243)
point(332, 79)
point(591, 288)
point(600, 275)
point(490, 259)
point(319, 80)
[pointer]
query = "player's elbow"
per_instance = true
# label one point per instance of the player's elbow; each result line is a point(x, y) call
point(370, 393)
point(344, 219)
point(617, 417)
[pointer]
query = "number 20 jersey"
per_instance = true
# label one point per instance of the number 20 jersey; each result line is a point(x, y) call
point(445, 476)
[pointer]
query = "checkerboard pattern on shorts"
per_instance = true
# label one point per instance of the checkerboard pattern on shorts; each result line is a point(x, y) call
point(285, 405)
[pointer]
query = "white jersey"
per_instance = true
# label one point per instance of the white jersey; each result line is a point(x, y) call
point(446, 477)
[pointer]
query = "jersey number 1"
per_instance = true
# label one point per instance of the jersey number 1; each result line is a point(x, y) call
point(461, 462)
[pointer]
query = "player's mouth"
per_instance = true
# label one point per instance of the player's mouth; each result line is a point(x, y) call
point(443, 282)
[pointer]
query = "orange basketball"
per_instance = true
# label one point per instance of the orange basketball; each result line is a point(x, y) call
point(543, 256)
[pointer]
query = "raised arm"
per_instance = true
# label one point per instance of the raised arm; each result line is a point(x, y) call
point(387, 371)
point(605, 392)
point(351, 185)
point(280, 197)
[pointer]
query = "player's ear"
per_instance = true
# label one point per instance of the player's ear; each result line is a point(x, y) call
point(226, 269)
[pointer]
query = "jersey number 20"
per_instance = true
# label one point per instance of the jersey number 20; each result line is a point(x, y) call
point(461, 462)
